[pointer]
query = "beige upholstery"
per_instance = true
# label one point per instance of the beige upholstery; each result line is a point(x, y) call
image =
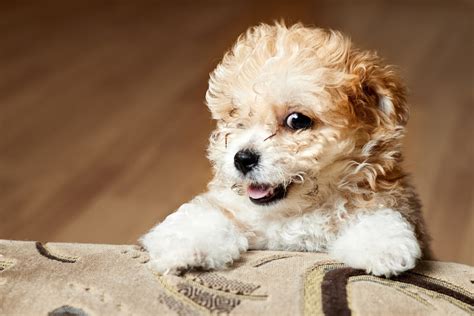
point(88, 279)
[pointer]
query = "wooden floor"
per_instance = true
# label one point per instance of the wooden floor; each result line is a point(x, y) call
point(103, 128)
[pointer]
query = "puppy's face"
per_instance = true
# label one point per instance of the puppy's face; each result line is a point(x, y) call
point(300, 114)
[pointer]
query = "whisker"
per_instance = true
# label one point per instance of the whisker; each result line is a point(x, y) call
point(225, 139)
point(269, 137)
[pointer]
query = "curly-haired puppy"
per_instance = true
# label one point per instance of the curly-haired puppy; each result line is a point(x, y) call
point(306, 157)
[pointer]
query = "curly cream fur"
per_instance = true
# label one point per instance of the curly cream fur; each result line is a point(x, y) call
point(343, 175)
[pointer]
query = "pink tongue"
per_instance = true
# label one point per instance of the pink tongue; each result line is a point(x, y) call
point(259, 191)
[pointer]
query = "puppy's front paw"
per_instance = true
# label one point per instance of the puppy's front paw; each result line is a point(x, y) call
point(193, 238)
point(174, 257)
point(393, 260)
point(382, 244)
point(175, 261)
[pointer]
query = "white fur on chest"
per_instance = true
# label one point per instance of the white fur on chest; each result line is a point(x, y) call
point(308, 232)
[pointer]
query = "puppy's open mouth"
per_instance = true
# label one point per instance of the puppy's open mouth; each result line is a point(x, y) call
point(263, 194)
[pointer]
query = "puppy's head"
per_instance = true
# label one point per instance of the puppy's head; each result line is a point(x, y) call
point(301, 113)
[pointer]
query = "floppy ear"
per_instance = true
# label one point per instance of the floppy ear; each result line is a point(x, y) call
point(377, 93)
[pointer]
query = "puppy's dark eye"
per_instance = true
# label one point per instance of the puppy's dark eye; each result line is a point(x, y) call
point(298, 121)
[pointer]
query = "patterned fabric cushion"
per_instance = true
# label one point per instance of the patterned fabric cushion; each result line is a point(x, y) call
point(87, 279)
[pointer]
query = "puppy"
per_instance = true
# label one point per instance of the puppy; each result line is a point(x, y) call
point(306, 157)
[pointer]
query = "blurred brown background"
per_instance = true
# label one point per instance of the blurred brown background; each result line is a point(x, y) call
point(102, 124)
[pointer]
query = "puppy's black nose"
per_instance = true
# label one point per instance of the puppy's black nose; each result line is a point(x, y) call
point(245, 160)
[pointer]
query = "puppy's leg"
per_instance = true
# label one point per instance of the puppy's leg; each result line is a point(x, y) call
point(196, 235)
point(382, 243)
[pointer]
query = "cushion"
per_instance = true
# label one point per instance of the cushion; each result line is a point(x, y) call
point(89, 279)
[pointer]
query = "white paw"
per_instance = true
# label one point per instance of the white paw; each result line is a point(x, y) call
point(382, 243)
point(168, 257)
point(193, 238)
point(174, 260)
